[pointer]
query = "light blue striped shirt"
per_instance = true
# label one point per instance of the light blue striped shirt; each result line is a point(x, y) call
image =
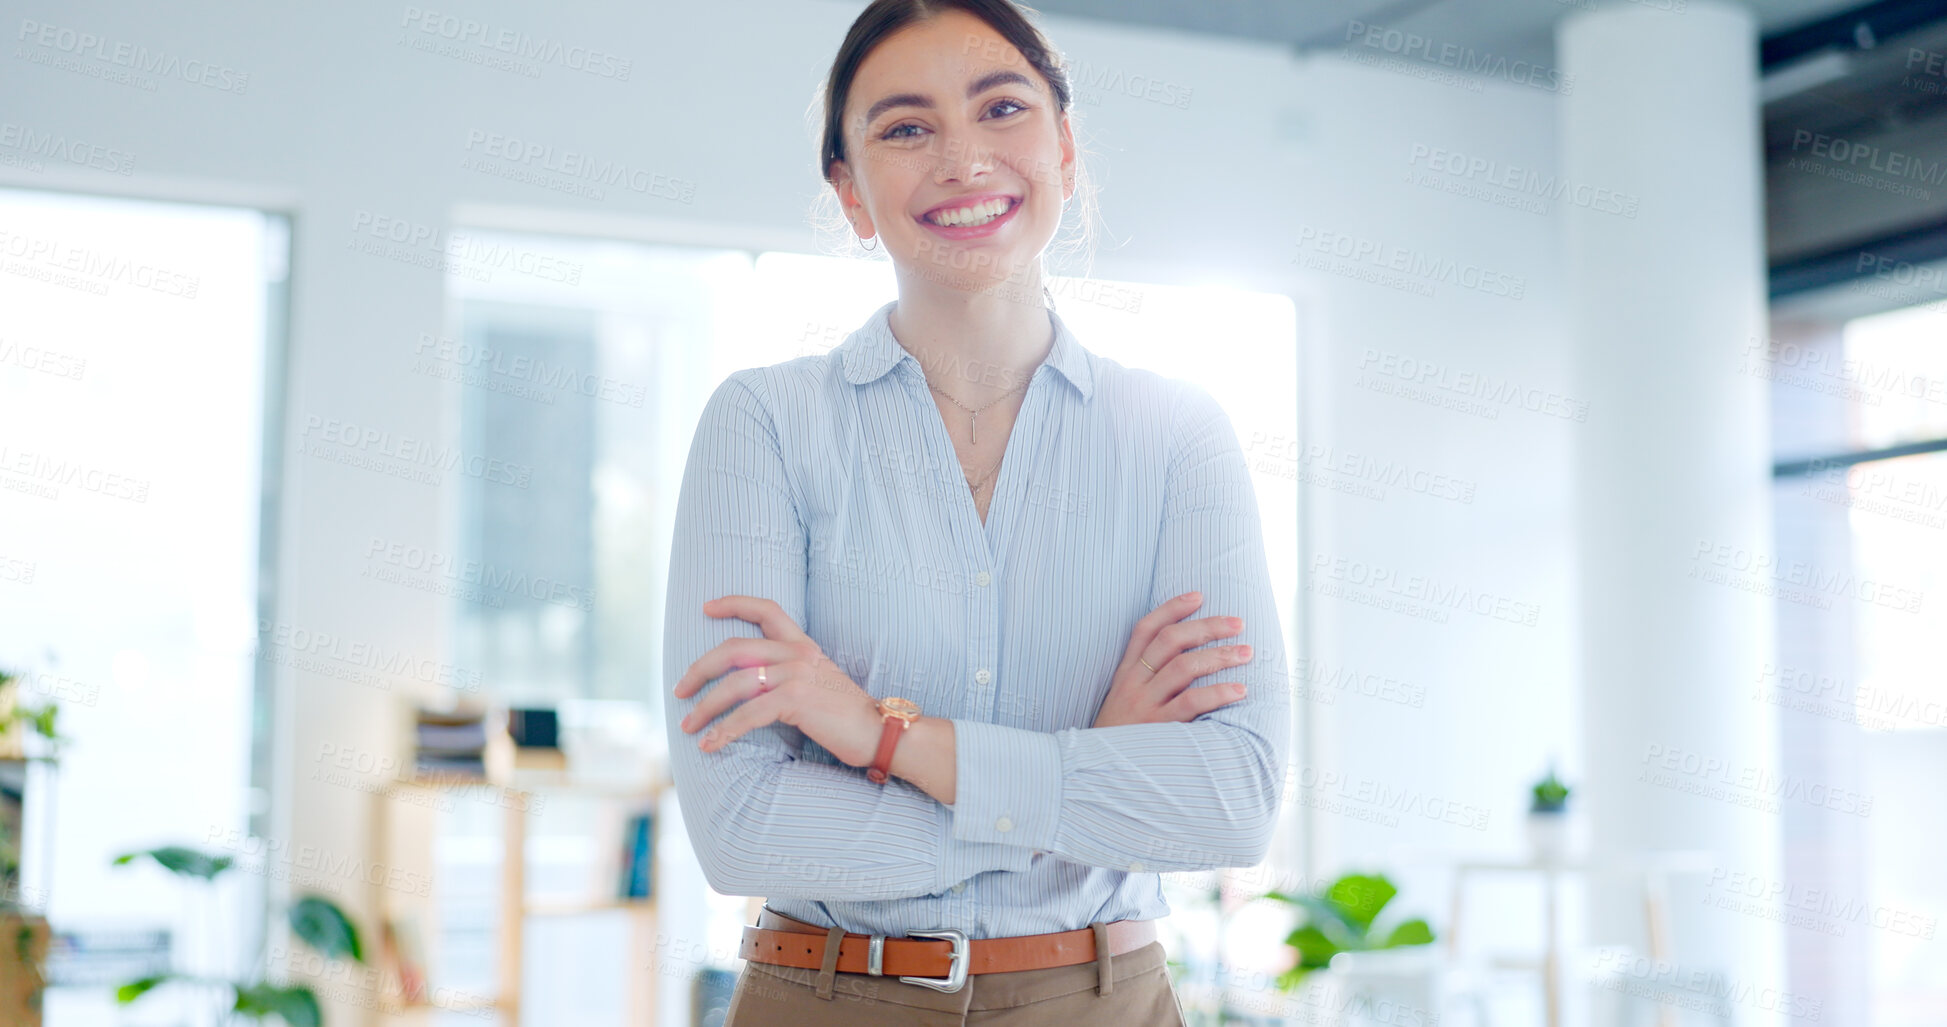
point(829, 484)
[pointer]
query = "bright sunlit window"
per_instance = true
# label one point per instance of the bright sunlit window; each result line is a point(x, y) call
point(132, 355)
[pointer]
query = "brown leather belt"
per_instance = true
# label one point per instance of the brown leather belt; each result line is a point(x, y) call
point(937, 959)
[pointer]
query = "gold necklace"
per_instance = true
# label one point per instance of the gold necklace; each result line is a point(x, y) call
point(971, 410)
point(976, 486)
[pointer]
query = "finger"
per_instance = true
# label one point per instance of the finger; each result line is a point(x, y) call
point(1186, 667)
point(1195, 702)
point(732, 654)
point(734, 687)
point(1179, 638)
point(765, 613)
point(1155, 620)
point(746, 717)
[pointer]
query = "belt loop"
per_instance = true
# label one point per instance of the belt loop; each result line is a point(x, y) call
point(1104, 970)
point(828, 972)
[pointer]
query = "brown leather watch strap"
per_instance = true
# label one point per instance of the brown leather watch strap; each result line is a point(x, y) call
point(881, 767)
point(784, 941)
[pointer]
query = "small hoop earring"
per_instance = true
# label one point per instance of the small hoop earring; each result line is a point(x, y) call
point(874, 246)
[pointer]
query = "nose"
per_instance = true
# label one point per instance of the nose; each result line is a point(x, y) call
point(960, 159)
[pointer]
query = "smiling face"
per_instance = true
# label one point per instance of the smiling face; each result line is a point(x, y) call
point(957, 156)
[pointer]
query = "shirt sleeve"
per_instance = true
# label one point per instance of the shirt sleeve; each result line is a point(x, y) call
point(1159, 797)
point(761, 820)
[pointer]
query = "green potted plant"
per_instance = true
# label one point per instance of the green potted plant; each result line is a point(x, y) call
point(316, 921)
point(1548, 827)
point(1344, 919)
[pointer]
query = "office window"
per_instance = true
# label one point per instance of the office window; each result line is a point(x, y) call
point(1860, 410)
point(133, 355)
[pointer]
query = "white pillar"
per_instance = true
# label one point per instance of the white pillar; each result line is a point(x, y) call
point(1662, 210)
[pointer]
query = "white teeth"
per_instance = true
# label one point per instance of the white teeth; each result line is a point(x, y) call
point(979, 213)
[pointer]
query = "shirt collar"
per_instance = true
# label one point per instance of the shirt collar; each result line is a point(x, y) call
point(871, 351)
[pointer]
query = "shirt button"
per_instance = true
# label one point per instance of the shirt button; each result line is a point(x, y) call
point(983, 578)
point(962, 886)
point(983, 676)
point(1003, 824)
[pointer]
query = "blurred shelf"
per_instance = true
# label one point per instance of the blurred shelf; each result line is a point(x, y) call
point(577, 907)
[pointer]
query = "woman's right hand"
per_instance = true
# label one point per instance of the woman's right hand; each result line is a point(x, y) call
point(1137, 696)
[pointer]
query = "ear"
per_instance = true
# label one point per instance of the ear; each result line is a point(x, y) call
point(1066, 131)
point(847, 189)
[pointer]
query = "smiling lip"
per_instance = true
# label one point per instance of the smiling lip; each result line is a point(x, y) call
point(972, 231)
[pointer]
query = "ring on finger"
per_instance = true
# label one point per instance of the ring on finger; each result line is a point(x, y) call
point(1145, 663)
point(763, 684)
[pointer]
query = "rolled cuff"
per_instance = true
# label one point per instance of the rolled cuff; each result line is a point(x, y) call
point(1007, 785)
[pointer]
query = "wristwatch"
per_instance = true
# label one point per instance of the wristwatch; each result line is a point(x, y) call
point(897, 715)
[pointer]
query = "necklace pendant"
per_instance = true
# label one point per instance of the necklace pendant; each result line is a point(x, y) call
point(976, 428)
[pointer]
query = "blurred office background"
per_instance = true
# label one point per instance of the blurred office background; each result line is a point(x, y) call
point(1590, 358)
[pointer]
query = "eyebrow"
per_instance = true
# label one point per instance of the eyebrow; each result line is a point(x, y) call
point(978, 86)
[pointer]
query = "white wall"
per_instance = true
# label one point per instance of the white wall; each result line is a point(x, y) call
point(339, 118)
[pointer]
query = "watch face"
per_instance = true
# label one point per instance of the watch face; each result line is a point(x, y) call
point(906, 707)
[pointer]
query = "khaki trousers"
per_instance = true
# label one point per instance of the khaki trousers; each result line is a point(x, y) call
point(1129, 990)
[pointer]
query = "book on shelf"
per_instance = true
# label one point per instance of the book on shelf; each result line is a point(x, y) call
point(637, 878)
point(450, 744)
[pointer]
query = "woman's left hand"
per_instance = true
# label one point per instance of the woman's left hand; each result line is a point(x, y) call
point(802, 686)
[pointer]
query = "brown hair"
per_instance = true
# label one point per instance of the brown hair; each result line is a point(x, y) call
point(882, 18)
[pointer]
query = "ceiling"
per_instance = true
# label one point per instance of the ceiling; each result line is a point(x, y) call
point(1515, 29)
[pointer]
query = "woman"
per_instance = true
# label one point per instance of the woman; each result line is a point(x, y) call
point(935, 700)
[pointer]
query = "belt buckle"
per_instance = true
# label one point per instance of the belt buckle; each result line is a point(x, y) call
point(956, 974)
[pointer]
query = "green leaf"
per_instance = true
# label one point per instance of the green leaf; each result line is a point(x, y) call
point(136, 989)
point(1292, 978)
point(325, 927)
point(296, 1004)
point(1315, 950)
point(1412, 932)
point(1360, 897)
point(181, 860)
